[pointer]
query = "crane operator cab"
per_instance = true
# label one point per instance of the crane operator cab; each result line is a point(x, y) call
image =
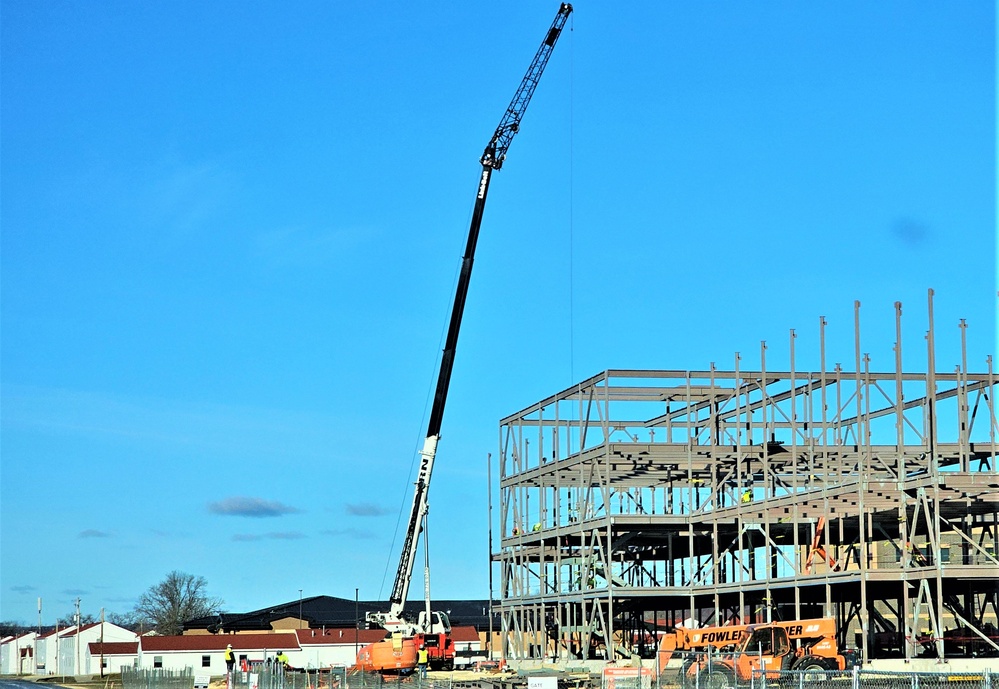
point(437, 624)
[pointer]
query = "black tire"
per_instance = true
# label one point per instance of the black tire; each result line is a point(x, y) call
point(686, 681)
point(719, 678)
point(814, 667)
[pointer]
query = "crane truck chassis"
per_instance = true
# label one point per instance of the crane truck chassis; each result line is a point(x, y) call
point(731, 655)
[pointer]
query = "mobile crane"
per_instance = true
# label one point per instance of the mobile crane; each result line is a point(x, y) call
point(432, 629)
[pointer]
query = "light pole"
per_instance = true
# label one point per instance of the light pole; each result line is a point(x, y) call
point(357, 626)
point(299, 608)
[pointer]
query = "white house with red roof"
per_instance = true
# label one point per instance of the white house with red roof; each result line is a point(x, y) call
point(325, 648)
point(112, 656)
point(17, 654)
point(72, 647)
point(46, 652)
point(206, 653)
point(320, 648)
point(305, 648)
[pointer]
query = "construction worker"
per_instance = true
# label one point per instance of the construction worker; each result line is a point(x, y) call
point(230, 659)
point(422, 658)
point(281, 660)
point(748, 495)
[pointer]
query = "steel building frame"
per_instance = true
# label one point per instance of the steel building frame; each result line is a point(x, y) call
point(637, 499)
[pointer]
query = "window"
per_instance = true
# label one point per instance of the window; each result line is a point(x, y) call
point(157, 661)
point(761, 642)
point(206, 661)
point(782, 645)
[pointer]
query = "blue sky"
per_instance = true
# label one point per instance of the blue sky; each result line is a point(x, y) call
point(230, 235)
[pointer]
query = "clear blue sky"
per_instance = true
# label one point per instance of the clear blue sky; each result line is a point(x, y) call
point(230, 234)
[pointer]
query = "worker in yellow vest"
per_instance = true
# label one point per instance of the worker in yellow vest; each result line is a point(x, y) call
point(230, 659)
point(422, 657)
point(281, 660)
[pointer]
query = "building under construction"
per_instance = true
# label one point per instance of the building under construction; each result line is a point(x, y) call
point(638, 500)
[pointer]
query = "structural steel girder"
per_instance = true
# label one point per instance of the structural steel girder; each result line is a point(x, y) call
point(712, 495)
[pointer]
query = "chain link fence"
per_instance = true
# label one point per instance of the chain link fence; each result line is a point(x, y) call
point(267, 676)
point(156, 678)
point(857, 678)
point(720, 676)
point(366, 680)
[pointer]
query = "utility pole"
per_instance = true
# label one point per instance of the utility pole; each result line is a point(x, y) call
point(299, 608)
point(489, 549)
point(102, 642)
point(357, 626)
point(76, 667)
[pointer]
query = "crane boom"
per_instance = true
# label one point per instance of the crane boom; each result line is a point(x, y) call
point(492, 159)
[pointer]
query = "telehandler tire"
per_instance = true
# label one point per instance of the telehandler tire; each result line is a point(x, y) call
point(719, 678)
point(815, 667)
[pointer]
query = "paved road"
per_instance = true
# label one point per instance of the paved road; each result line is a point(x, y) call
point(21, 684)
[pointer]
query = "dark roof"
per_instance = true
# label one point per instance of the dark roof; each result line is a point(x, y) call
point(328, 611)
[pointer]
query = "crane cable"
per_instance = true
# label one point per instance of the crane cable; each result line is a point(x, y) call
point(419, 441)
point(572, 332)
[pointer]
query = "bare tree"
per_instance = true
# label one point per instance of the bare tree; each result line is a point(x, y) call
point(131, 620)
point(70, 619)
point(13, 628)
point(177, 598)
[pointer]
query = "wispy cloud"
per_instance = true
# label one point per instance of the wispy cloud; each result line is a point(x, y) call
point(93, 533)
point(240, 506)
point(910, 232)
point(273, 535)
point(179, 197)
point(75, 592)
point(366, 509)
point(357, 534)
point(23, 588)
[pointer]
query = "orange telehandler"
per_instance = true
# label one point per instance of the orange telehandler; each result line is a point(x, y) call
point(731, 655)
